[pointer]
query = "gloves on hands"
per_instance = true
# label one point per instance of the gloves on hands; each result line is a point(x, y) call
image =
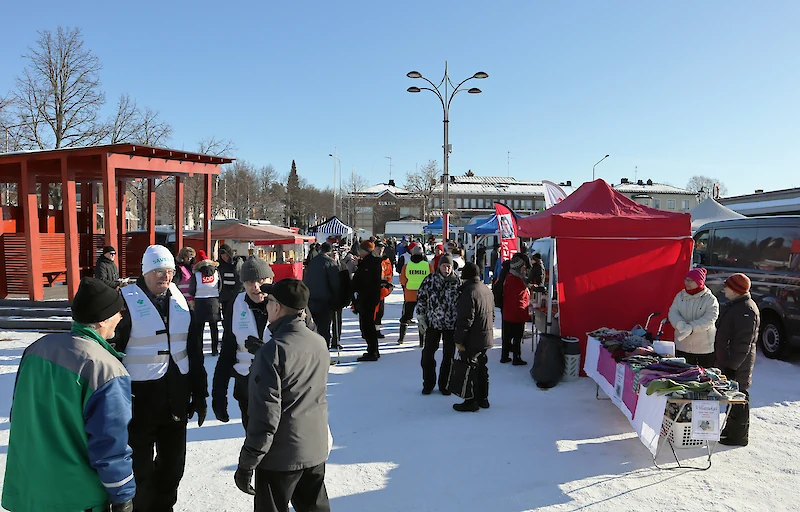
point(220, 409)
point(252, 344)
point(242, 477)
point(197, 405)
point(682, 330)
point(122, 507)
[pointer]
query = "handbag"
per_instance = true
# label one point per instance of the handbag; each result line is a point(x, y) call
point(459, 380)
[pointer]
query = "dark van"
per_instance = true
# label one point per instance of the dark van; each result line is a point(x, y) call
point(767, 250)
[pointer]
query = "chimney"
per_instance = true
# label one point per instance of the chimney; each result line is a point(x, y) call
point(623, 181)
point(391, 183)
point(640, 182)
point(650, 182)
point(452, 179)
point(569, 183)
point(760, 191)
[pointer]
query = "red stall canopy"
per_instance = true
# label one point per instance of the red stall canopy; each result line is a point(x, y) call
point(260, 235)
point(618, 260)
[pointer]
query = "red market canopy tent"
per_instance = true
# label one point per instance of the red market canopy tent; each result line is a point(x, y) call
point(618, 260)
point(259, 235)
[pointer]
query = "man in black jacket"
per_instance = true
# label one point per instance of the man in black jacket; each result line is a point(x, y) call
point(229, 269)
point(735, 349)
point(322, 279)
point(474, 333)
point(288, 440)
point(366, 297)
point(536, 275)
point(106, 269)
point(164, 356)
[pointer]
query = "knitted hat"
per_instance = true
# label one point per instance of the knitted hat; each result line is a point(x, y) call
point(380, 243)
point(226, 249)
point(156, 257)
point(292, 293)
point(698, 275)
point(537, 256)
point(201, 255)
point(255, 269)
point(440, 246)
point(738, 283)
point(517, 261)
point(109, 248)
point(446, 259)
point(416, 249)
point(470, 271)
point(95, 301)
point(412, 245)
point(367, 245)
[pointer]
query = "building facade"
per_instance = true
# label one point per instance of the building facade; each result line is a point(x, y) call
point(776, 202)
point(658, 195)
point(469, 196)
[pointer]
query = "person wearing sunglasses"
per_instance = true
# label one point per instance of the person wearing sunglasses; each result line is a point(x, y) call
point(164, 355)
point(106, 268)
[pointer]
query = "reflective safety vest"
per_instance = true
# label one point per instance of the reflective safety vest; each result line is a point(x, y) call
point(207, 286)
point(186, 276)
point(152, 343)
point(244, 325)
point(416, 272)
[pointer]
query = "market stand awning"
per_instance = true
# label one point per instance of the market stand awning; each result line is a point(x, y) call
point(332, 226)
point(436, 227)
point(259, 235)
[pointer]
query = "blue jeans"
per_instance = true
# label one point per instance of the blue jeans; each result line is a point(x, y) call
point(486, 275)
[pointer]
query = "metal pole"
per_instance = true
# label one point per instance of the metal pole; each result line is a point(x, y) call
point(334, 180)
point(445, 190)
point(549, 327)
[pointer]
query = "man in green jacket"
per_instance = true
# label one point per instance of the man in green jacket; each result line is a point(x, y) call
point(68, 448)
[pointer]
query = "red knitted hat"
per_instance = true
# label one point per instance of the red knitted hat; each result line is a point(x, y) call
point(201, 255)
point(698, 275)
point(739, 283)
point(367, 245)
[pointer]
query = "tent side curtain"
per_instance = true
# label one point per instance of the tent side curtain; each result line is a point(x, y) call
point(597, 210)
point(332, 226)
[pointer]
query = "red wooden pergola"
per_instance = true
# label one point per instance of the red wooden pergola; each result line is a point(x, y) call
point(42, 246)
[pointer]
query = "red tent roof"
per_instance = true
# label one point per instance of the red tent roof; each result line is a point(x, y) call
point(597, 210)
point(274, 235)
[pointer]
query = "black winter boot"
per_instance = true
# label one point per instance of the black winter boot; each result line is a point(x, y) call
point(467, 406)
point(403, 328)
point(518, 354)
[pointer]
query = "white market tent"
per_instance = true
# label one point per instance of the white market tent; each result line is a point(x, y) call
point(332, 226)
point(710, 211)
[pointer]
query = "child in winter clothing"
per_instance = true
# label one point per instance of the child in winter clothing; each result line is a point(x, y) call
point(516, 298)
point(693, 314)
point(436, 303)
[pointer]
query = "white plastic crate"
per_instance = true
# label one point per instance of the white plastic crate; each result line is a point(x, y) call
point(680, 436)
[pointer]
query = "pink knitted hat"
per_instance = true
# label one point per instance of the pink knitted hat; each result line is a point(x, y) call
point(698, 275)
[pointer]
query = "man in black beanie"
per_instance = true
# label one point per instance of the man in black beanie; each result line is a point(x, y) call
point(239, 343)
point(106, 268)
point(322, 279)
point(229, 270)
point(76, 381)
point(288, 440)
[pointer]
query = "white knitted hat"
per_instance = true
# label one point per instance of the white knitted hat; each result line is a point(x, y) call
point(155, 257)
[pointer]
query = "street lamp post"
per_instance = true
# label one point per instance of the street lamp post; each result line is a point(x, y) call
point(445, 97)
point(595, 165)
point(335, 159)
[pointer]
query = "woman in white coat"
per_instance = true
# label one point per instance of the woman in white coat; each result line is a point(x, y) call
point(693, 314)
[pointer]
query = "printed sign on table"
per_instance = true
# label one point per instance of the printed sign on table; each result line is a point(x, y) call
point(705, 420)
point(619, 384)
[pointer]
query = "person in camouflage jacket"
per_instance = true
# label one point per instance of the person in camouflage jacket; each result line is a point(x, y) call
point(436, 304)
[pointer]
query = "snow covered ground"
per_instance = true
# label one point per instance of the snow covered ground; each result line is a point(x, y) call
point(560, 450)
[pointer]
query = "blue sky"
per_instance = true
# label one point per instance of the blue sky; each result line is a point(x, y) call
point(676, 88)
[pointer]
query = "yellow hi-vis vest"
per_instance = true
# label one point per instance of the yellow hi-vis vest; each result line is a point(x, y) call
point(151, 343)
point(243, 325)
point(416, 272)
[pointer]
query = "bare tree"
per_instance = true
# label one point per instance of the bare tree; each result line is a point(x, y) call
point(353, 201)
point(58, 95)
point(703, 186)
point(194, 188)
point(422, 183)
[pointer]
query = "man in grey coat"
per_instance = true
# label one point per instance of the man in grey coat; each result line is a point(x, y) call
point(287, 440)
point(474, 333)
point(323, 282)
point(735, 350)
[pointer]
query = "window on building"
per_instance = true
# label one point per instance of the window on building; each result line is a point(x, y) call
point(516, 204)
point(685, 204)
point(657, 203)
point(734, 248)
point(436, 202)
point(473, 203)
point(414, 211)
point(458, 202)
point(529, 204)
point(480, 202)
point(670, 204)
point(538, 204)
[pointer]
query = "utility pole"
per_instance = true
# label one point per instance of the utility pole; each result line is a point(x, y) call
point(635, 173)
point(509, 164)
point(390, 167)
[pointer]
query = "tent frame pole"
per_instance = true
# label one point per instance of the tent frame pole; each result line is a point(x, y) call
point(550, 279)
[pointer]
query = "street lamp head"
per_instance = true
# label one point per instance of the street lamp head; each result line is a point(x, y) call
point(414, 74)
point(481, 74)
point(329, 154)
point(474, 90)
point(606, 156)
point(413, 89)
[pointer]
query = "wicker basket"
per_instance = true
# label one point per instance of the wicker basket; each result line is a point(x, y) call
point(680, 436)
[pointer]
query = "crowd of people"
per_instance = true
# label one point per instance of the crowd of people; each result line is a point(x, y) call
point(131, 373)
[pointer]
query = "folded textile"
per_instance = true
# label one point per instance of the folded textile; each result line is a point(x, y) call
point(668, 385)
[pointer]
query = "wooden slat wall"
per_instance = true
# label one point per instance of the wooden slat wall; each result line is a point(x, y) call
point(17, 255)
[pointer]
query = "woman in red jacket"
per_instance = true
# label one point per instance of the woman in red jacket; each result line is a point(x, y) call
point(516, 298)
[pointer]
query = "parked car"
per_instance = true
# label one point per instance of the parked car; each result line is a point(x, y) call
point(767, 249)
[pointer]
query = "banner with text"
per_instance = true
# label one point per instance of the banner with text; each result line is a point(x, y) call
point(507, 228)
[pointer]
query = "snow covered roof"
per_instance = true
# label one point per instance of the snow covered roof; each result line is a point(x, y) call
point(655, 188)
point(380, 188)
point(496, 185)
